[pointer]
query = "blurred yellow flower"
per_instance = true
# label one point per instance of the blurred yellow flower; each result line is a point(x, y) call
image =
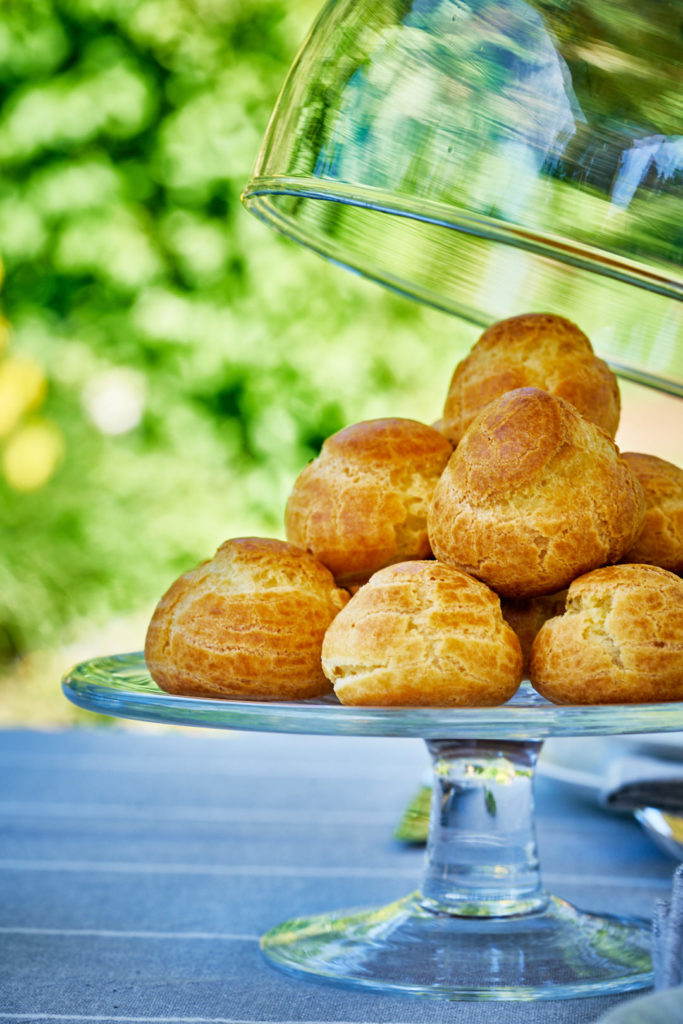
point(22, 389)
point(32, 454)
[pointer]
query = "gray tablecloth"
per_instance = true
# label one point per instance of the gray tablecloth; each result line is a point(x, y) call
point(138, 870)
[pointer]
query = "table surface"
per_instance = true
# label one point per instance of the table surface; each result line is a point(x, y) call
point(138, 870)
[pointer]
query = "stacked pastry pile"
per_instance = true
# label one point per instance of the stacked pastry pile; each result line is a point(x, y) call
point(404, 538)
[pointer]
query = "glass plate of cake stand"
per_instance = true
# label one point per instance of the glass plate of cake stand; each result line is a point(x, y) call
point(480, 926)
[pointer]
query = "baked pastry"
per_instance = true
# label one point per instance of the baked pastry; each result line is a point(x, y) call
point(422, 633)
point(619, 641)
point(533, 496)
point(533, 350)
point(527, 615)
point(660, 541)
point(248, 624)
point(362, 504)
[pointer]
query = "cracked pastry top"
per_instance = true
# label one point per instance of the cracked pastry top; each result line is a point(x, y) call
point(533, 496)
point(620, 640)
point(422, 633)
point(362, 503)
point(246, 624)
point(539, 350)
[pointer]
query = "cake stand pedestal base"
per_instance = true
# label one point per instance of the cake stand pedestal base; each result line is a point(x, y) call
point(556, 952)
point(481, 926)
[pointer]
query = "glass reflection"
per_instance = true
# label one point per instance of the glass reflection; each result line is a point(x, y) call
point(551, 126)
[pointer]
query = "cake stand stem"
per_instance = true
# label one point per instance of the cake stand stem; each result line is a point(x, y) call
point(480, 926)
point(481, 852)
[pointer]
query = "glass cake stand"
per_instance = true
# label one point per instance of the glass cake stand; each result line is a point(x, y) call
point(481, 925)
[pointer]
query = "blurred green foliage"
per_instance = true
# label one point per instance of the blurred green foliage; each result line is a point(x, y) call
point(180, 364)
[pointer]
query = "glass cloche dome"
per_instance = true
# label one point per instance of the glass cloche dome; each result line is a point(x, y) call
point(493, 157)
